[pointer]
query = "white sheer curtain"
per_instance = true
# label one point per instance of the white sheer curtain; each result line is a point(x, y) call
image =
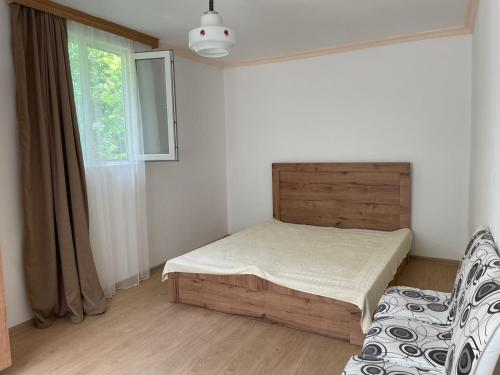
point(105, 84)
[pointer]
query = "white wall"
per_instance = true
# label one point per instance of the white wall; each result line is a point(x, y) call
point(10, 194)
point(406, 102)
point(485, 160)
point(187, 199)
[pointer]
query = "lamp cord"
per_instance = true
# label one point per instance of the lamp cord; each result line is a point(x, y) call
point(211, 5)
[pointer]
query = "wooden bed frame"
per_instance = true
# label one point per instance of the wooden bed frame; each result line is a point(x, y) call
point(345, 195)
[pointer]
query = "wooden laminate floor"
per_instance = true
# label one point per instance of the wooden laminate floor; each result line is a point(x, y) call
point(143, 334)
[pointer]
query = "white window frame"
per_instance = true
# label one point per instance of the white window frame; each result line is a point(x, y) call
point(168, 56)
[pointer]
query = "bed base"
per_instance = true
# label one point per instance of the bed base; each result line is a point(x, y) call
point(252, 296)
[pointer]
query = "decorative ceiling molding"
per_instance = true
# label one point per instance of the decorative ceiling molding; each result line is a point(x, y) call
point(442, 33)
point(470, 18)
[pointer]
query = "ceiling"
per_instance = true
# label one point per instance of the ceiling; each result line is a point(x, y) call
point(268, 28)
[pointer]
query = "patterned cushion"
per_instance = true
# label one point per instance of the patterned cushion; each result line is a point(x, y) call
point(408, 343)
point(429, 306)
point(423, 305)
point(468, 266)
point(482, 233)
point(363, 366)
point(477, 313)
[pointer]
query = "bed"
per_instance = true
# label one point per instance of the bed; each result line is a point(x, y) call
point(340, 235)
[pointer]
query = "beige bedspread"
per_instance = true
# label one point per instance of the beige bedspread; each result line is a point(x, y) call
point(351, 265)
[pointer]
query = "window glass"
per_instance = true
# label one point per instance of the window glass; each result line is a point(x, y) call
point(154, 107)
point(98, 83)
point(106, 90)
point(155, 76)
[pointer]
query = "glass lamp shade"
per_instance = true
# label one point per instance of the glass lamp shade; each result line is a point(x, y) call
point(211, 39)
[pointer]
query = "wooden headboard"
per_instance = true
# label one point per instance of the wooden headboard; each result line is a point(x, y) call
point(346, 195)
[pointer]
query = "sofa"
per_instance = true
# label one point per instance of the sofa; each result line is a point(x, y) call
point(434, 333)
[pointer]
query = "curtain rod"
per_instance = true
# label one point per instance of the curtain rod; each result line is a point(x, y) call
point(87, 19)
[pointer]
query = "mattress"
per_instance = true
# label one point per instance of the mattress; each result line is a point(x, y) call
point(351, 265)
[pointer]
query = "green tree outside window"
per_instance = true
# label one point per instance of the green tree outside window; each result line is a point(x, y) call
point(98, 83)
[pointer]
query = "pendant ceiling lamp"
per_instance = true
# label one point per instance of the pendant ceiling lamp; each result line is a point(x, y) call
point(211, 39)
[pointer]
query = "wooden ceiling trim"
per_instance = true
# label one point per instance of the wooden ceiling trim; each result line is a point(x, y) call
point(87, 19)
point(442, 33)
point(470, 19)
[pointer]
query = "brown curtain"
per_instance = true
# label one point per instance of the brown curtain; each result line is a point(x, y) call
point(59, 267)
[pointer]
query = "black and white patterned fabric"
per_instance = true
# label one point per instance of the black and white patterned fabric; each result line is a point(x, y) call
point(363, 366)
point(480, 236)
point(425, 305)
point(475, 342)
point(408, 342)
point(412, 303)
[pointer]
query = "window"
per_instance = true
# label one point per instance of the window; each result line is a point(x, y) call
point(156, 92)
point(125, 101)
